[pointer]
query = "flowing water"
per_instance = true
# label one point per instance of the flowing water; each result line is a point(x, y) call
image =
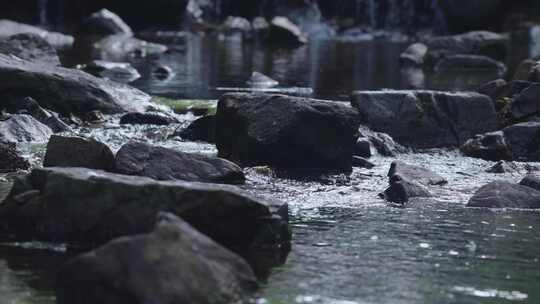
point(348, 245)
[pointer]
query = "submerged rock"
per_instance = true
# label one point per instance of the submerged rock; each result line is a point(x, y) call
point(426, 119)
point(147, 119)
point(30, 47)
point(65, 90)
point(57, 40)
point(283, 32)
point(104, 23)
point(500, 194)
point(167, 164)
point(178, 264)
point(202, 129)
point(91, 207)
point(290, 133)
point(259, 80)
point(11, 159)
point(503, 167)
point(63, 151)
point(21, 128)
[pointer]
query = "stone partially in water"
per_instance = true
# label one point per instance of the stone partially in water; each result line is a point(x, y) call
point(261, 81)
point(531, 181)
point(524, 141)
point(116, 70)
point(470, 63)
point(20, 128)
point(426, 119)
point(65, 151)
point(167, 164)
point(290, 133)
point(172, 264)
point(526, 104)
point(413, 55)
point(11, 159)
point(104, 23)
point(502, 194)
point(202, 129)
point(65, 90)
point(30, 106)
point(503, 167)
point(30, 47)
point(91, 207)
point(147, 119)
point(417, 174)
point(382, 143)
point(489, 146)
point(283, 32)
point(360, 162)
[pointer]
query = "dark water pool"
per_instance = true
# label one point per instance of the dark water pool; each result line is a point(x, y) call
point(348, 246)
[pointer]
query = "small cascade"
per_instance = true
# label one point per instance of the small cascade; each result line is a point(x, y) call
point(42, 11)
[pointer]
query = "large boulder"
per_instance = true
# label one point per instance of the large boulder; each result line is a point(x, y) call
point(526, 104)
point(426, 119)
point(11, 159)
point(286, 132)
point(500, 194)
point(30, 47)
point(166, 164)
point(63, 151)
point(408, 181)
point(283, 31)
point(65, 90)
point(57, 40)
point(531, 181)
point(173, 264)
point(489, 146)
point(460, 63)
point(91, 207)
point(104, 23)
point(21, 128)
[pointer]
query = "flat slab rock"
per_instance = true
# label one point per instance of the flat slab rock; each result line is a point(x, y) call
point(426, 119)
point(167, 164)
point(92, 207)
point(289, 133)
point(66, 90)
point(21, 128)
point(172, 264)
point(64, 151)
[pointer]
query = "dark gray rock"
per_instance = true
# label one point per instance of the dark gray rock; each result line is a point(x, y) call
point(67, 90)
point(104, 23)
point(531, 181)
point(57, 40)
point(494, 89)
point(408, 181)
point(117, 70)
point(362, 148)
point(147, 119)
point(91, 207)
point(167, 164)
point(162, 72)
point(360, 162)
point(502, 194)
point(426, 119)
point(178, 264)
point(283, 32)
point(414, 55)
point(235, 25)
point(524, 141)
point(65, 151)
point(31, 107)
point(484, 43)
point(381, 143)
point(489, 146)
point(503, 167)
point(524, 69)
point(286, 132)
point(30, 47)
point(471, 63)
point(118, 47)
point(21, 128)
point(526, 104)
point(11, 159)
point(202, 129)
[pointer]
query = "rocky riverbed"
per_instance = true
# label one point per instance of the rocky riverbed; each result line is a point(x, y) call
point(177, 166)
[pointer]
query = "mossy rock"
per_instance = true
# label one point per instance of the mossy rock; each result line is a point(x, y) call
point(198, 107)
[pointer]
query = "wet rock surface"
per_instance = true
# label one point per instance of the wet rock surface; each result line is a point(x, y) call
point(108, 69)
point(426, 119)
point(57, 40)
point(177, 262)
point(147, 119)
point(66, 90)
point(104, 23)
point(21, 128)
point(502, 194)
point(201, 129)
point(63, 151)
point(284, 32)
point(92, 207)
point(31, 107)
point(166, 164)
point(11, 159)
point(30, 47)
point(286, 132)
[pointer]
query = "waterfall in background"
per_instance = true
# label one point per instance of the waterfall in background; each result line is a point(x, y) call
point(42, 11)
